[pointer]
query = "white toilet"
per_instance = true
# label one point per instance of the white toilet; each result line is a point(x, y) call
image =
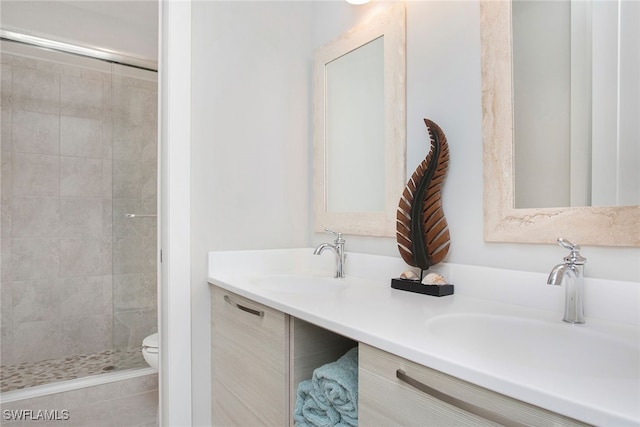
point(150, 350)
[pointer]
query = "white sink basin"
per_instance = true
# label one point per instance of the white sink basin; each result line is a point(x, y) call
point(301, 283)
point(565, 349)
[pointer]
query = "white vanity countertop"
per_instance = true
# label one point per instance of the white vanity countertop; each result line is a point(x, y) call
point(365, 308)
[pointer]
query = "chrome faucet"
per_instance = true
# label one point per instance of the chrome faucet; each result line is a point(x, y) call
point(338, 248)
point(571, 271)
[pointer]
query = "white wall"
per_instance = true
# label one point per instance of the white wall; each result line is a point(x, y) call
point(250, 145)
point(174, 219)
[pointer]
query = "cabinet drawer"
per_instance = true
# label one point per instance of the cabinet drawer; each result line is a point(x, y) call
point(250, 370)
point(385, 399)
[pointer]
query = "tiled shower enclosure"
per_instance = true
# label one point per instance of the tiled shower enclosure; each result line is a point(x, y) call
point(79, 153)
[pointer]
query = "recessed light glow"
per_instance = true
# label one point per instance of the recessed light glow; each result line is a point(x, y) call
point(357, 1)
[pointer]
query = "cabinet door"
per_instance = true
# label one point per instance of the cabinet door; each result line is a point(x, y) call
point(389, 397)
point(249, 362)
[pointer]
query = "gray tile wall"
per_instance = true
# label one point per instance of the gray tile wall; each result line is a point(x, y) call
point(78, 151)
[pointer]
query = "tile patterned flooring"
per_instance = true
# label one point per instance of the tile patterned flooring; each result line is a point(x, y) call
point(29, 374)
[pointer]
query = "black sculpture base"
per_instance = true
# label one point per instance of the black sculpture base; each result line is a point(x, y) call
point(417, 287)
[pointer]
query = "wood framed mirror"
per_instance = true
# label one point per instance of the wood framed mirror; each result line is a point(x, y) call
point(586, 225)
point(360, 127)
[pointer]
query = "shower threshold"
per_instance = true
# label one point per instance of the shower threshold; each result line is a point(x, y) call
point(30, 374)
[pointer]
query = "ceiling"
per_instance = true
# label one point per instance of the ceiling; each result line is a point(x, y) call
point(136, 12)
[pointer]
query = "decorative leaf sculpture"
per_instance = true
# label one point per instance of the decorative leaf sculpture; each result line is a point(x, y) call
point(421, 228)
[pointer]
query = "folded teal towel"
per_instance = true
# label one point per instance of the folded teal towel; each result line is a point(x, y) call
point(312, 409)
point(338, 383)
point(330, 398)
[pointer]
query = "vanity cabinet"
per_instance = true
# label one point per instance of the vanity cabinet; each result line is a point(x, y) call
point(395, 391)
point(249, 369)
point(260, 355)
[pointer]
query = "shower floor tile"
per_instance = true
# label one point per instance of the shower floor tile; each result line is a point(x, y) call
point(29, 374)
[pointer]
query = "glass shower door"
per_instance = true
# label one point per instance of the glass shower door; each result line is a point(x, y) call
point(134, 204)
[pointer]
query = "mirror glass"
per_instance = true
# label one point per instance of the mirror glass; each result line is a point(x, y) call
point(354, 126)
point(576, 97)
point(503, 222)
point(360, 127)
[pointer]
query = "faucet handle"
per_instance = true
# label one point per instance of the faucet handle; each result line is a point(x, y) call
point(567, 244)
point(335, 233)
point(574, 257)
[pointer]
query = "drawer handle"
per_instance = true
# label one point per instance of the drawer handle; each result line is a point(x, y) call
point(458, 403)
point(258, 313)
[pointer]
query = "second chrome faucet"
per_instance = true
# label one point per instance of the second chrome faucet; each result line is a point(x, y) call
point(571, 273)
point(338, 248)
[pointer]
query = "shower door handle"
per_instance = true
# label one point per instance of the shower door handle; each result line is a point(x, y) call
point(131, 215)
